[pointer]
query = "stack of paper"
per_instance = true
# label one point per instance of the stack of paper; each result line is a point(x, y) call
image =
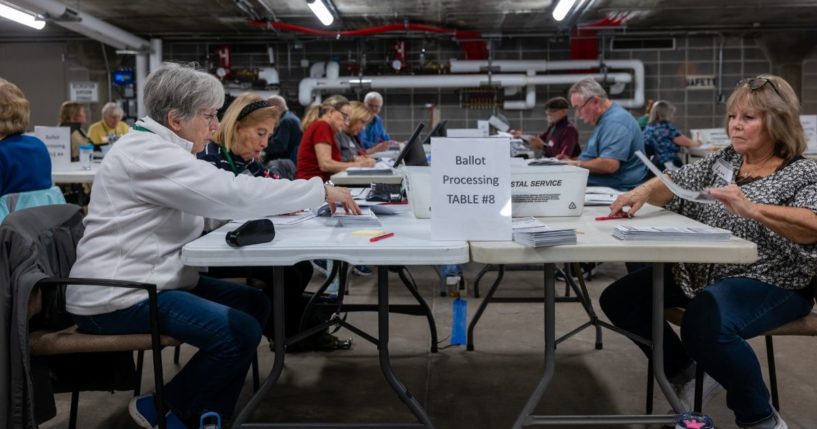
point(547, 161)
point(291, 218)
point(365, 218)
point(599, 199)
point(533, 233)
point(380, 168)
point(671, 233)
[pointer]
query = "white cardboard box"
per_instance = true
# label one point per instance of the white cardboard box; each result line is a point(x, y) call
point(548, 190)
point(552, 190)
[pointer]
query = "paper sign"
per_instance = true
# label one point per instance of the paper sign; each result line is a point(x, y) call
point(485, 127)
point(810, 127)
point(471, 189)
point(711, 136)
point(84, 92)
point(58, 142)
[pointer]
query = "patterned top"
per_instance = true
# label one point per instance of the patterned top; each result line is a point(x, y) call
point(659, 136)
point(214, 154)
point(781, 262)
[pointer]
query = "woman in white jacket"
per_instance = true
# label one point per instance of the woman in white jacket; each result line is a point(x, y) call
point(149, 199)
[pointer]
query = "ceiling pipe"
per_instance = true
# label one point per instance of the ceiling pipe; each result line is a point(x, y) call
point(637, 66)
point(310, 87)
point(87, 25)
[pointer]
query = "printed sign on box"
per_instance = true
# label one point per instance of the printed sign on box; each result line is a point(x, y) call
point(471, 189)
point(810, 127)
point(58, 142)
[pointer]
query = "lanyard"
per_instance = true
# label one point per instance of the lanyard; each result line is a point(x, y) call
point(229, 159)
point(141, 128)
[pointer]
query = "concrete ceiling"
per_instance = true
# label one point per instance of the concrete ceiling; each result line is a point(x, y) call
point(213, 19)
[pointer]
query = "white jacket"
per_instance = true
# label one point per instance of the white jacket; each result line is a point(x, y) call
point(149, 199)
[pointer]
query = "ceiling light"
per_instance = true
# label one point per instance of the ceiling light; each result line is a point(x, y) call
point(562, 8)
point(21, 16)
point(321, 11)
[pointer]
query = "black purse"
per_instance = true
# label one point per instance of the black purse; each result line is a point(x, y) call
point(251, 232)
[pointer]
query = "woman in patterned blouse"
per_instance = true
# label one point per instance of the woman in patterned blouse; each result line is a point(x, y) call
point(767, 194)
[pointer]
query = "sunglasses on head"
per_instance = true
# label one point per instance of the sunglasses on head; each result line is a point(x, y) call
point(755, 83)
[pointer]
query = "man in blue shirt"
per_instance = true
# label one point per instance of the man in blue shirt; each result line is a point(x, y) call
point(374, 133)
point(287, 136)
point(610, 152)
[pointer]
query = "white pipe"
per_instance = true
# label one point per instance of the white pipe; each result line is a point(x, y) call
point(317, 69)
point(332, 70)
point(155, 54)
point(141, 76)
point(466, 66)
point(88, 25)
point(310, 85)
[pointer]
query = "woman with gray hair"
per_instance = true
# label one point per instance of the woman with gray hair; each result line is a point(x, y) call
point(662, 140)
point(110, 128)
point(149, 199)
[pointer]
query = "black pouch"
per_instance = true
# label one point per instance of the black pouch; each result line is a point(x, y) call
point(251, 232)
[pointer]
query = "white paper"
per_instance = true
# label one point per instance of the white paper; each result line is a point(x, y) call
point(471, 189)
point(291, 218)
point(687, 194)
point(58, 142)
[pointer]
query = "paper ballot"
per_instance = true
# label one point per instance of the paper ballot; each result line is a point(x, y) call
point(687, 194)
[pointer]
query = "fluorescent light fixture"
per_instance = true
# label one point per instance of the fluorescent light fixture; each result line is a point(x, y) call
point(21, 16)
point(321, 11)
point(561, 9)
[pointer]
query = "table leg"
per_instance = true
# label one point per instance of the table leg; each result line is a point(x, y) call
point(550, 348)
point(658, 337)
point(280, 339)
point(383, 351)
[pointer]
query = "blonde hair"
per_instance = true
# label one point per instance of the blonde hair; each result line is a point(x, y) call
point(661, 111)
point(315, 111)
point(15, 110)
point(359, 112)
point(227, 133)
point(69, 111)
point(776, 101)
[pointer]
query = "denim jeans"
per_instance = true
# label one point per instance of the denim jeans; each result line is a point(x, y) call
point(716, 325)
point(222, 319)
point(450, 270)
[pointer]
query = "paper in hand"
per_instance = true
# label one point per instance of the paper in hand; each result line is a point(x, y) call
point(687, 194)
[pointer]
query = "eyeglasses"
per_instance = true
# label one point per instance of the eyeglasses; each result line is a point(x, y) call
point(756, 83)
point(345, 116)
point(578, 109)
point(210, 117)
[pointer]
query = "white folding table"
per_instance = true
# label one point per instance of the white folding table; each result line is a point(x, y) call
point(74, 173)
point(314, 239)
point(595, 243)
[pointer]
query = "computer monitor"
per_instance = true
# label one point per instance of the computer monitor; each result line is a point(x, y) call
point(437, 131)
point(410, 151)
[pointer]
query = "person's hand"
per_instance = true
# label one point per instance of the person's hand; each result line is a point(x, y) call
point(735, 201)
point(633, 199)
point(380, 147)
point(516, 133)
point(364, 161)
point(536, 143)
point(562, 157)
point(342, 196)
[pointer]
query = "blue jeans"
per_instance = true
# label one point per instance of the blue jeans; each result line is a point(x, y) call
point(450, 270)
point(222, 319)
point(716, 325)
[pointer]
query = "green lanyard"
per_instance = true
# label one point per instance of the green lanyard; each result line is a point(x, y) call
point(141, 128)
point(229, 159)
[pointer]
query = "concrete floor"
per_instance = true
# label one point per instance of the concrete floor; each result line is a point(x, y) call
point(486, 388)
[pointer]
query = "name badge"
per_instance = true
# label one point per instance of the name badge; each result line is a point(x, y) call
point(723, 170)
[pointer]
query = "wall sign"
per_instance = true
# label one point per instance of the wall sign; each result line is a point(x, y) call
point(84, 92)
point(471, 189)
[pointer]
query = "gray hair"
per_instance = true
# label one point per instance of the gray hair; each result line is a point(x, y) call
point(587, 88)
point(182, 90)
point(112, 109)
point(373, 95)
point(278, 101)
point(662, 111)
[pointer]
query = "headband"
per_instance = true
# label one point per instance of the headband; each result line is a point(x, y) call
point(252, 107)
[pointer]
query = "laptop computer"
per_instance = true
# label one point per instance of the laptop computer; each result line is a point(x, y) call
point(410, 153)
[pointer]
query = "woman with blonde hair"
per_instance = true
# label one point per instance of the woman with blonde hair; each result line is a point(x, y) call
point(662, 140)
point(766, 193)
point(319, 154)
point(72, 115)
point(24, 161)
point(348, 140)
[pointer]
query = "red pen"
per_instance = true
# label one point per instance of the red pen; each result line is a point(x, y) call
point(620, 215)
point(381, 237)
